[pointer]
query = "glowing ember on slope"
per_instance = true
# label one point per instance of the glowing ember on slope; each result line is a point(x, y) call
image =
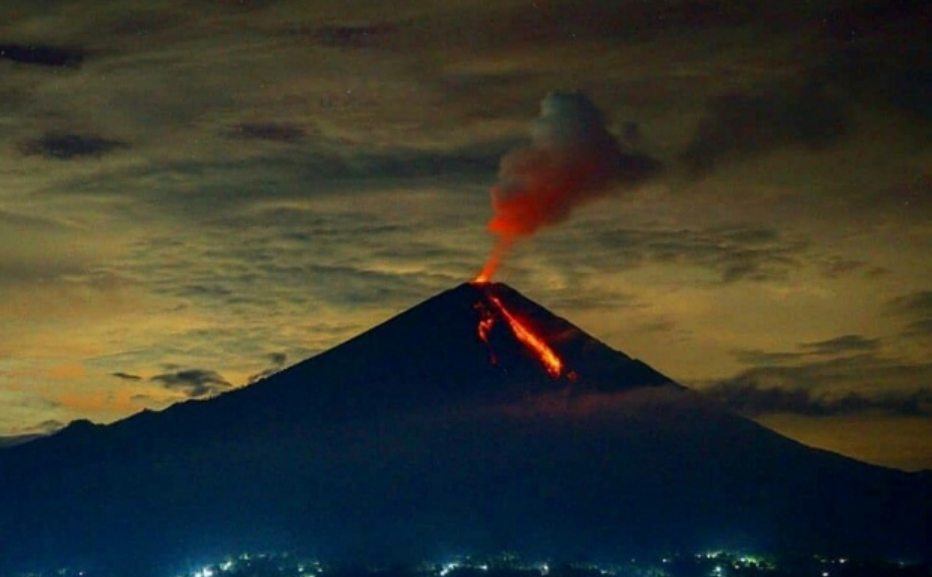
point(486, 322)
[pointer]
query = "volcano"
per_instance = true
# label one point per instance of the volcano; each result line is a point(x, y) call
point(477, 421)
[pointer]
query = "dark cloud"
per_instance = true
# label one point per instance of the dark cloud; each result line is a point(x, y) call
point(193, 383)
point(838, 266)
point(43, 429)
point(595, 297)
point(48, 427)
point(740, 125)
point(837, 376)
point(229, 184)
point(272, 132)
point(38, 55)
point(69, 146)
point(244, 4)
point(841, 345)
point(278, 361)
point(751, 398)
point(140, 22)
point(624, 21)
point(275, 255)
point(846, 344)
point(13, 440)
point(918, 303)
point(851, 21)
point(884, 53)
point(126, 376)
point(916, 309)
point(736, 254)
point(876, 53)
point(351, 35)
point(920, 328)
point(759, 357)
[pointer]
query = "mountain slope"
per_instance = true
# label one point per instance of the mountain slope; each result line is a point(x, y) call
point(432, 354)
point(426, 434)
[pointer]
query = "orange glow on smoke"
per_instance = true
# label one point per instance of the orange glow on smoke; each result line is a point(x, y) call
point(552, 184)
point(495, 259)
point(535, 344)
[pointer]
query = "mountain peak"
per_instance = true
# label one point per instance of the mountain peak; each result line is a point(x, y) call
point(474, 341)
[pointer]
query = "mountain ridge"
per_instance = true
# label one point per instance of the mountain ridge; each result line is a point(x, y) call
point(425, 433)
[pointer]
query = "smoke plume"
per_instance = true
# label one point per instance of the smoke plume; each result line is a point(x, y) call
point(572, 159)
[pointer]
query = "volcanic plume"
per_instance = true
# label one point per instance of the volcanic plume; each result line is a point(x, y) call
point(572, 159)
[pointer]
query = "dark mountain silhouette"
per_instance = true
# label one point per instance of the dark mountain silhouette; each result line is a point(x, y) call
point(420, 437)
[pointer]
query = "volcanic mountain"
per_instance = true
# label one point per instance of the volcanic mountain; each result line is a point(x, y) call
point(474, 422)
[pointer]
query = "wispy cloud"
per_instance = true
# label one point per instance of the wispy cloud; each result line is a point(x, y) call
point(735, 254)
point(193, 383)
point(750, 398)
point(845, 375)
point(67, 146)
point(37, 55)
point(741, 125)
point(915, 309)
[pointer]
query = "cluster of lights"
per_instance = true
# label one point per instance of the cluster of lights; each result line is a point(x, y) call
point(715, 564)
point(233, 565)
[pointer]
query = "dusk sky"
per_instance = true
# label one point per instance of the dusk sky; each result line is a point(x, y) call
point(197, 192)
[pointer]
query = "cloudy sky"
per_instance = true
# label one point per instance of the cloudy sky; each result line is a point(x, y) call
point(196, 192)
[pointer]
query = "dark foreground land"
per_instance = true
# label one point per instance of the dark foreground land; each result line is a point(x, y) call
point(708, 564)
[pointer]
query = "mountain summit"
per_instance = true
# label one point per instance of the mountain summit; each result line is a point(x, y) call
point(469, 343)
point(476, 421)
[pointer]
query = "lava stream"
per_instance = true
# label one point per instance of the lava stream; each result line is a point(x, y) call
point(534, 343)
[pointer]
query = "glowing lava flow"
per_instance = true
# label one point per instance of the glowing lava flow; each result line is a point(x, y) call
point(548, 358)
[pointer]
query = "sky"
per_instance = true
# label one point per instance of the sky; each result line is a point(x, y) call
point(198, 193)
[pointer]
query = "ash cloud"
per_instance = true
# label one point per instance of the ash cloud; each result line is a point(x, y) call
point(572, 159)
point(193, 383)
